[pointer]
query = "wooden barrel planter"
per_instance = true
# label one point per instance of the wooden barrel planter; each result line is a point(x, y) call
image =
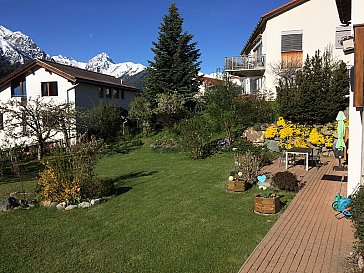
point(264, 205)
point(236, 185)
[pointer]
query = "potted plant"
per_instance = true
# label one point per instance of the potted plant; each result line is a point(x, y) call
point(246, 170)
point(266, 202)
point(235, 182)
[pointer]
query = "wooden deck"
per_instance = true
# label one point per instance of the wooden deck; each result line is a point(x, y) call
point(307, 237)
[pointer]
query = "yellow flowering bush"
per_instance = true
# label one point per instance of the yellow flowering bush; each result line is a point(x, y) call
point(285, 145)
point(271, 132)
point(54, 187)
point(286, 132)
point(301, 136)
point(329, 141)
point(300, 142)
point(281, 122)
point(316, 138)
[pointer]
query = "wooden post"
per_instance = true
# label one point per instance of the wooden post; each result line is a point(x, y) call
point(358, 65)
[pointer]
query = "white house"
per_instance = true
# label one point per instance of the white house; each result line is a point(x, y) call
point(290, 32)
point(351, 12)
point(61, 83)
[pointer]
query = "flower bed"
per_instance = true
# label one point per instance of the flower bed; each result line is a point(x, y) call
point(301, 136)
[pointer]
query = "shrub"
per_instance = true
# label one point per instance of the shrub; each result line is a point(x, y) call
point(57, 183)
point(194, 136)
point(105, 121)
point(65, 172)
point(357, 208)
point(97, 187)
point(164, 145)
point(286, 181)
point(248, 165)
point(164, 141)
point(315, 93)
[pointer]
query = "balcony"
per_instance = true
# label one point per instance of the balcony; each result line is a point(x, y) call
point(245, 66)
point(23, 99)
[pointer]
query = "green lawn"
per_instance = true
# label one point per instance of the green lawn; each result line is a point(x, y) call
point(172, 214)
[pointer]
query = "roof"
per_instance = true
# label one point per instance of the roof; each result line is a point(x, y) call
point(208, 80)
point(263, 20)
point(73, 74)
point(344, 10)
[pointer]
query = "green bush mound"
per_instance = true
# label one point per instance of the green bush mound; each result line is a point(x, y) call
point(357, 208)
point(97, 187)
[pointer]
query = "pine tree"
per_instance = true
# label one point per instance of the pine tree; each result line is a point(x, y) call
point(175, 67)
point(317, 92)
point(6, 68)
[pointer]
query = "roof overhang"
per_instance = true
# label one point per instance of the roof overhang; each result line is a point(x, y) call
point(344, 10)
point(29, 68)
point(259, 28)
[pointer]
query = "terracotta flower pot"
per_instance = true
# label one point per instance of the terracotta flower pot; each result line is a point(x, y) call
point(264, 205)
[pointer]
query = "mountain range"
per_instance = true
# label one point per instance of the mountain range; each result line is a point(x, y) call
point(17, 48)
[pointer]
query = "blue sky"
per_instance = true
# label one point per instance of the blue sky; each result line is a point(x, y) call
point(125, 29)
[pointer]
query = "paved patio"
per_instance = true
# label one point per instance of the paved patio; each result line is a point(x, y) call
point(307, 237)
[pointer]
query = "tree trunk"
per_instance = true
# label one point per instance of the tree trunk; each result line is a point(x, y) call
point(40, 151)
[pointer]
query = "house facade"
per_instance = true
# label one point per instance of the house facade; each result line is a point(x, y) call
point(58, 83)
point(285, 36)
point(351, 12)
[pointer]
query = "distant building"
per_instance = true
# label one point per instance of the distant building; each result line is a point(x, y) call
point(285, 36)
point(61, 83)
point(209, 80)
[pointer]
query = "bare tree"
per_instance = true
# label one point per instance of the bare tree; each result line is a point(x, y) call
point(38, 121)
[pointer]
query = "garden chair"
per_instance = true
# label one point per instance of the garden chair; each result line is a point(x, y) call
point(282, 156)
point(316, 157)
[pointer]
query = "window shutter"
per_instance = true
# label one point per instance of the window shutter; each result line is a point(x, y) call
point(291, 42)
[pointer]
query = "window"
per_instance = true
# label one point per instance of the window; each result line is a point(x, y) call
point(255, 84)
point(107, 93)
point(101, 92)
point(49, 89)
point(18, 87)
point(1, 121)
point(291, 49)
point(121, 94)
point(115, 93)
point(341, 33)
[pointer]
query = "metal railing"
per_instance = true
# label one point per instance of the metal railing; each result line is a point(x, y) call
point(244, 62)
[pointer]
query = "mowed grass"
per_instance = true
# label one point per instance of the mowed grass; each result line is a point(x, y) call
point(171, 214)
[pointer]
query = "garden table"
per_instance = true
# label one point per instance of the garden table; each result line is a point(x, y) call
point(299, 151)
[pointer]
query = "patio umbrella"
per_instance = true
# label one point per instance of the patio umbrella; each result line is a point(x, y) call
point(340, 144)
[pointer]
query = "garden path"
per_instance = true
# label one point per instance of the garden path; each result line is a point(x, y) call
point(307, 237)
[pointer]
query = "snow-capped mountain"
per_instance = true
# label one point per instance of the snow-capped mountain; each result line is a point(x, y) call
point(129, 72)
point(104, 64)
point(17, 48)
point(68, 61)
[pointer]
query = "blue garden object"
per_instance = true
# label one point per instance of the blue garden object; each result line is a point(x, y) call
point(342, 204)
point(262, 178)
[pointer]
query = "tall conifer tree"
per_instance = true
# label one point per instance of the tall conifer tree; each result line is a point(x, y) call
point(175, 67)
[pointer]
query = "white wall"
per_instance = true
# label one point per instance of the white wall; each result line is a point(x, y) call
point(317, 19)
point(33, 90)
point(87, 96)
point(355, 160)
